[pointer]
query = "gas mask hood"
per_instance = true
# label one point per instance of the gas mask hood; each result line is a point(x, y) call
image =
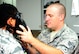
point(19, 21)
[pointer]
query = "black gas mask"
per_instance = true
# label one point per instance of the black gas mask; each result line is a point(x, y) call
point(19, 21)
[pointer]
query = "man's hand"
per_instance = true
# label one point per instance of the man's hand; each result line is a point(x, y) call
point(25, 36)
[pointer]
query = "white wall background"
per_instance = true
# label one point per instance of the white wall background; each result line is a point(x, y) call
point(9, 1)
point(31, 12)
point(72, 21)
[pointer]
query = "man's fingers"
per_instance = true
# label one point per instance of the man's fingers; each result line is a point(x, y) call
point(19, 32)
point(23, 28)
point(28, 29)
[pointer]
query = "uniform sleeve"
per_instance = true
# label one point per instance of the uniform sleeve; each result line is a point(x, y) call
point(68, 43)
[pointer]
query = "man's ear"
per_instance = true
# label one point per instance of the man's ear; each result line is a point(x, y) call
point(9, 21)
point(62, 17)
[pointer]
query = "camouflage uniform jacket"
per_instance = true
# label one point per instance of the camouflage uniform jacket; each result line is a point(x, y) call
point(8, 44)
point(66, 39)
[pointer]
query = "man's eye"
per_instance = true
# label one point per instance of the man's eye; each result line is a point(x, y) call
point(48, 15)
point(51, 15)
